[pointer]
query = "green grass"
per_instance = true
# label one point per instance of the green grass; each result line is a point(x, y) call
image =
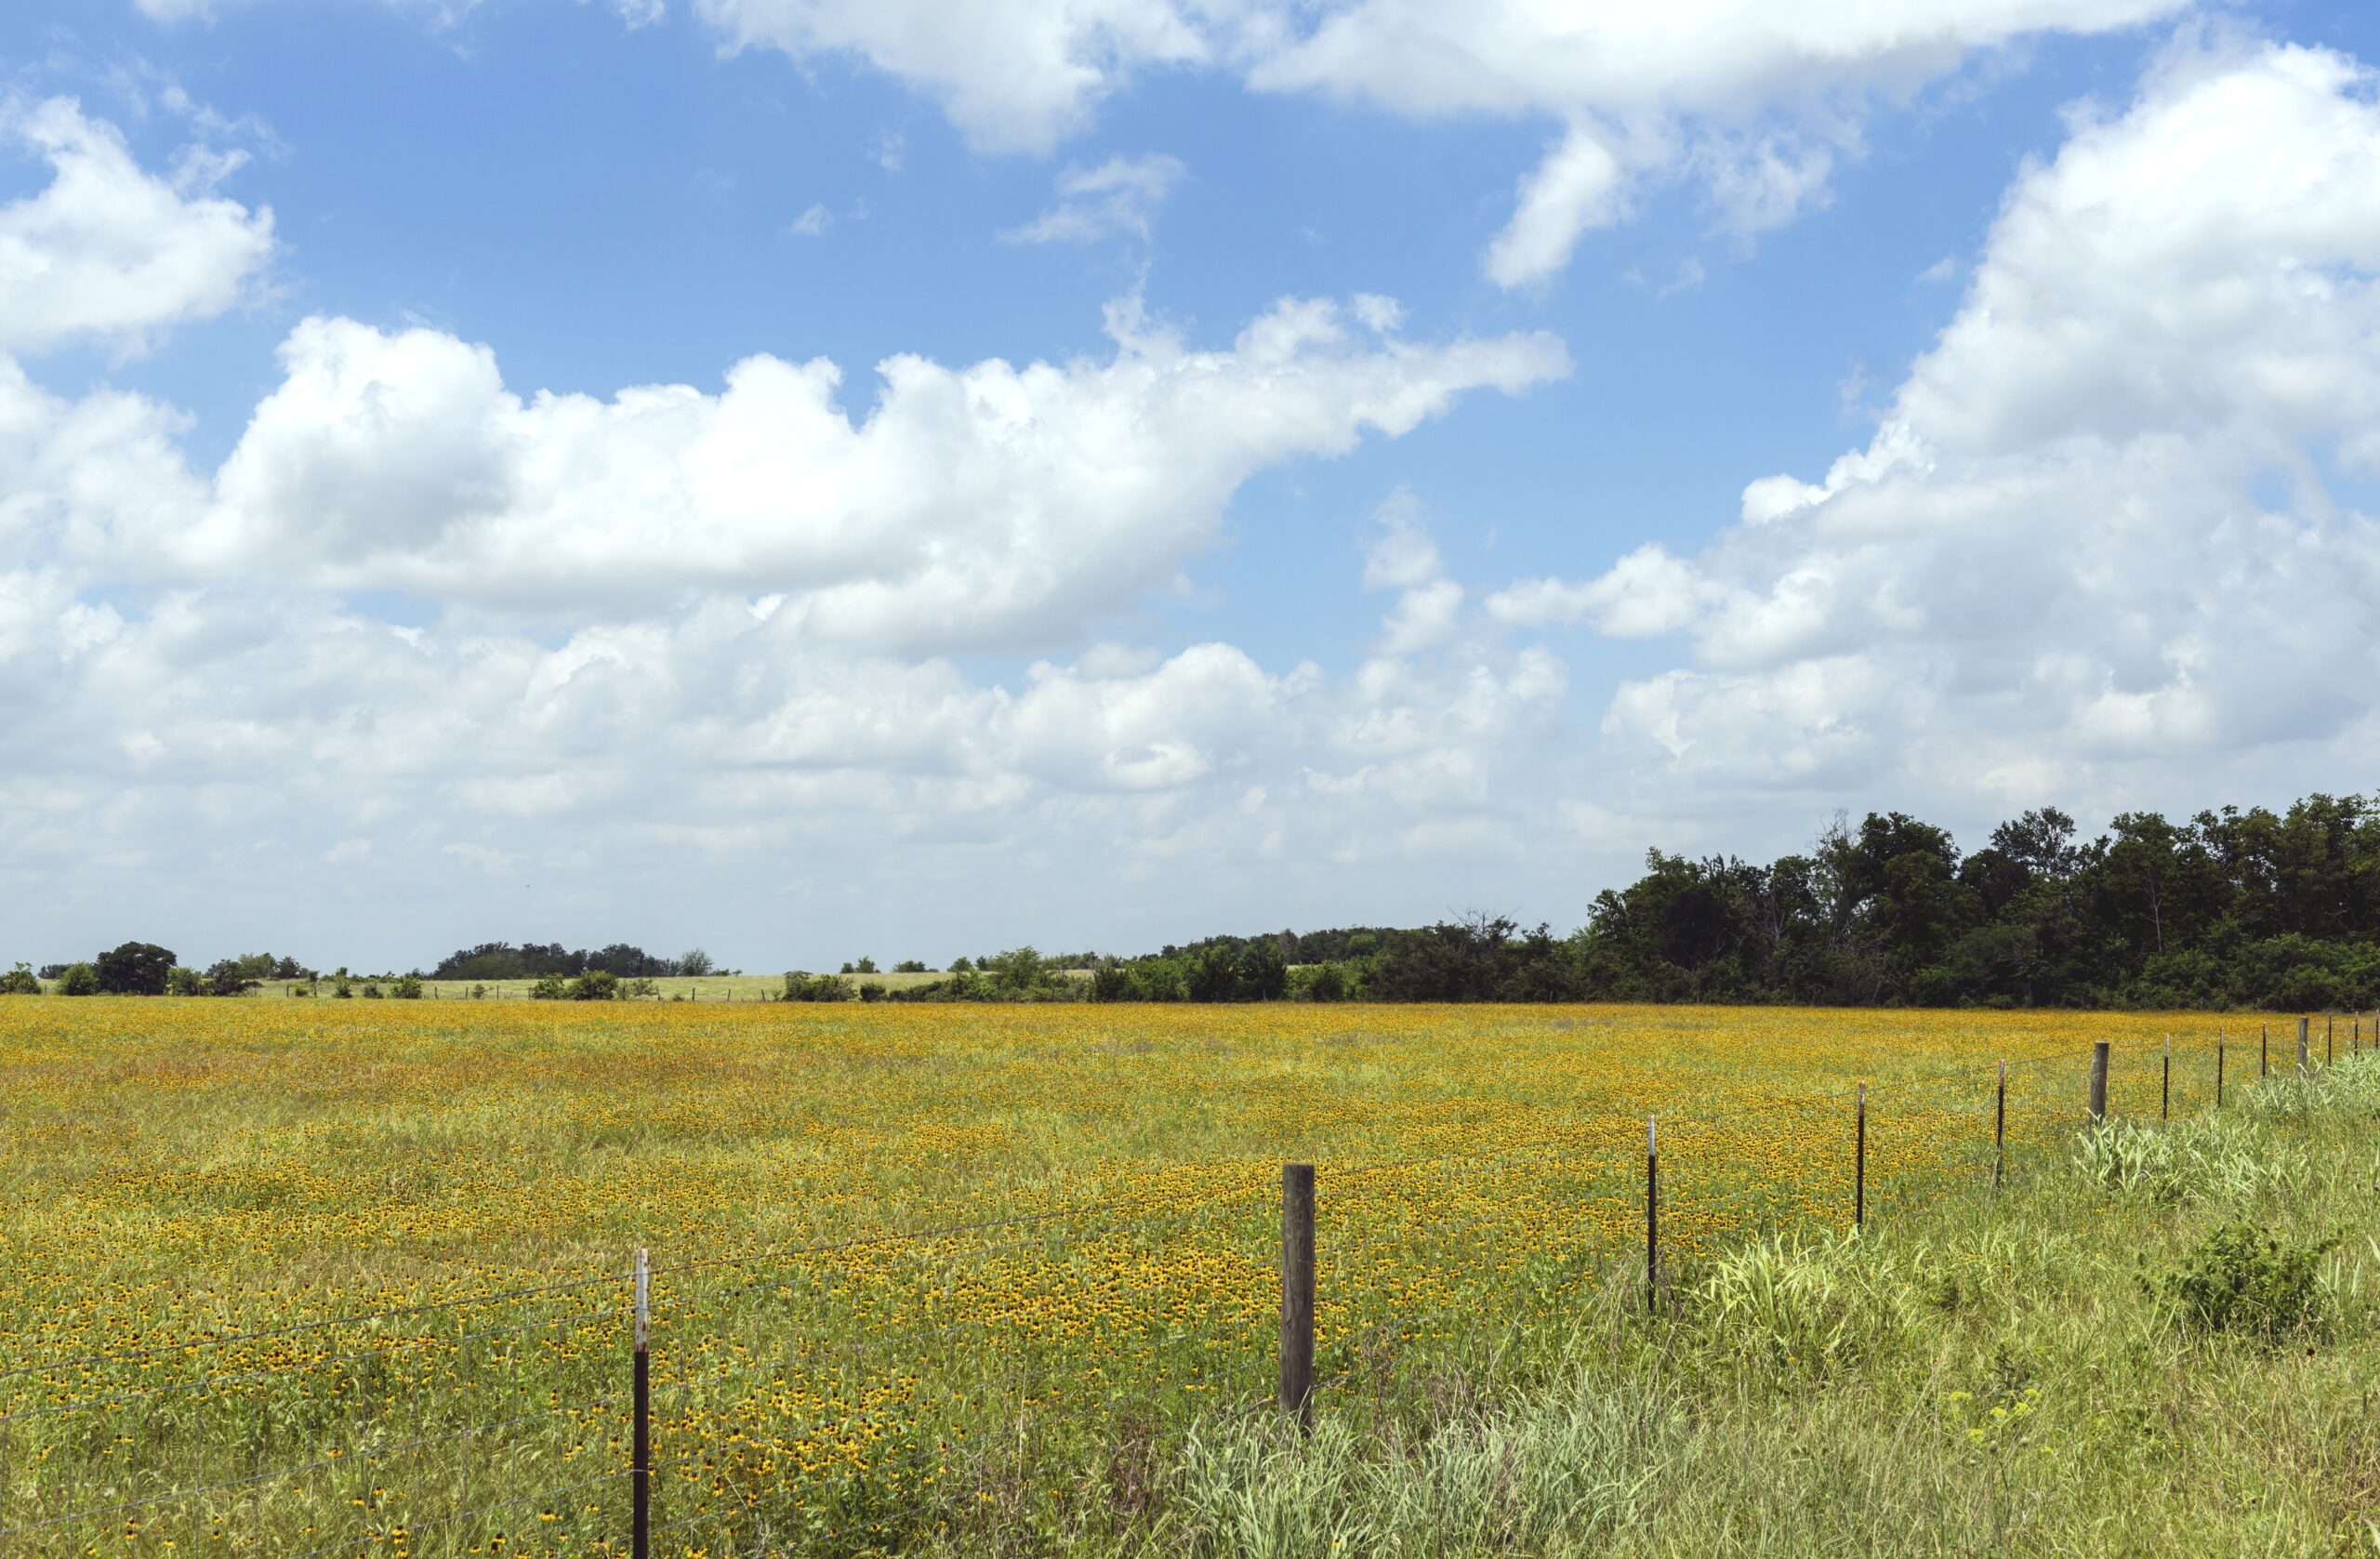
point(2027, 1372)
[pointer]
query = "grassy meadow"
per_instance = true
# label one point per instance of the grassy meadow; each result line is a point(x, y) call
point(207, 1199)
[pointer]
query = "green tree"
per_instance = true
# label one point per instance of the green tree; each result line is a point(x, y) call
point(135, 968)
point(19, 980)
point(79, 979)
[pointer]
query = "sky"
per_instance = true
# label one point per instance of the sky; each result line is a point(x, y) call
point(815, 478)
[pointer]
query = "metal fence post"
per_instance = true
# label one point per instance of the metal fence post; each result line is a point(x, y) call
point(2000, 1129)
point(1652, 1217)
point(1859, 1166)
point(641, 1433)
point(1297, 1291)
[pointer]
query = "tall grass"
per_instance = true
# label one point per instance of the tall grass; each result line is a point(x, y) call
point(2018, 1373)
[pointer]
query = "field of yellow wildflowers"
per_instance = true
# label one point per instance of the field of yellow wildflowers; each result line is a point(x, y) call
point(298, 1277)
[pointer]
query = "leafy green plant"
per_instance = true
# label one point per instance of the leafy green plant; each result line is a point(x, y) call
point(19, 980)
point(406, 987)
point(2240, 1280)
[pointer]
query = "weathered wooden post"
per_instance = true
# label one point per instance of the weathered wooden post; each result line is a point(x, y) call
point(2165, 1091)
point(2303, 1024)
point(2218, 1068)
point(2098, 1081)
point(1297, 1291)
point(2263, 1050)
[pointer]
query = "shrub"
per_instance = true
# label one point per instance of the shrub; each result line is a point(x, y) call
point(232, 977)
point(135, 968)
point(2242, 1281)
point(911, 966)
point(184, 982)
point(19, 980)
point(639, 986)
point(78, 979)
point(372, 989)
point(341, 986)
point(871, 990)
point(479, 993)
point(550, 987)
point(596, 984)
point(816, 987)
point(406, 987)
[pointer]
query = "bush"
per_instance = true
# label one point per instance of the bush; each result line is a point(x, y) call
point(372, 990)
point(78, 979)
point(911, 966)
point(871, 990)
point(596, 984)
point(135, 968)
point(407, 988)
point(185, 981)
point(19, 980)
point(2242, 1281)
point(816, 987)
point(639, 986)
point(550, 987)
point(232, 977)
point(341, 986)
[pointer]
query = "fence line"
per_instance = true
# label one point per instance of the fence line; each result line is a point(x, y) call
point(857, 1360)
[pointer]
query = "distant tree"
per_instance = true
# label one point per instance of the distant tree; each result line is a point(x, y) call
point(961, 964)
point(78, 979)
point(343, 987)
point(406, 987)
point(864, 966)
point(52, 971)
point(19, 980)
point(694, 961)
point(135, 968)
point(639, 987)
point(596, 984)
point(232, 977)
point(911, 966)
point(372, 990)
point(550, 987)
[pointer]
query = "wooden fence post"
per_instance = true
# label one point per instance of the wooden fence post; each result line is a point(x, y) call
point(2098, 1081)
point(2000, 1129)
point(2165, 1091)
point(2302, 1023)
point(1297, 1291)
point(2263, 1050)
point(641, 1430)
point(1652, 1217)
point(2218, 1068)
point(2329, 1051)
point(1859, 1167)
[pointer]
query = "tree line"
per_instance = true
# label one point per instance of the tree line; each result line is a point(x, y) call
point(2246, 908)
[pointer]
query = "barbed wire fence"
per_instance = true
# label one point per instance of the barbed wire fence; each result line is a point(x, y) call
point(857, 1395)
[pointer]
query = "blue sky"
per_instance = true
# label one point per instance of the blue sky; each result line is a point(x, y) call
point(318, 627)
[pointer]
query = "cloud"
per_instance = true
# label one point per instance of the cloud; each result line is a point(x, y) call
point(1756, 103)
point(1014, 76)
point(1119, 196)
point(814, 220)
point(989, 505)
point(1580, 185)
point(2106, 532)
point(110, 251)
